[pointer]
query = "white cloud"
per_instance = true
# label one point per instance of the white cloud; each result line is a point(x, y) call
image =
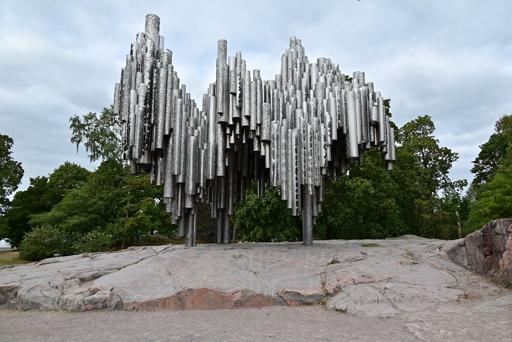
point(451, 60)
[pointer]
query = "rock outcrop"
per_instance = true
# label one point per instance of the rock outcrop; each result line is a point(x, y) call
point(487, 251)
point(372, 278)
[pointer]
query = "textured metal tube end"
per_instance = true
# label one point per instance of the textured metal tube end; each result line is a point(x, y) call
point(222, 50)
point(152, 28)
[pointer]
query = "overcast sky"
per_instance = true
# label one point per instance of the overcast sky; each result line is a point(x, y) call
point(449, 59)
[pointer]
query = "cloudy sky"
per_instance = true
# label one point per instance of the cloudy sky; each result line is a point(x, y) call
point(449, 59)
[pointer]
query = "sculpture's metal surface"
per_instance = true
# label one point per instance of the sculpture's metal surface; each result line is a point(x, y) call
point(307, 124)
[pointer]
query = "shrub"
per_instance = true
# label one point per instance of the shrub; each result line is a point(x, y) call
point(46, 241)
point(265, 219)
point(95, 241)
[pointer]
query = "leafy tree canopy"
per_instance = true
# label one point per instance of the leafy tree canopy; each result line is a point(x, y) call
point(113, 208)
point(417, 197)
point(100, 134)
point(11, 172)
point(361, 204)
point(491, 193)
point(422, 175)
point(266, 218)
point(492, 152)
point(41, 195)
point(493, 199)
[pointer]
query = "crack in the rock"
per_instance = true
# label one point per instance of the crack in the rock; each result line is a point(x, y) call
point(383, 294)
point(163, 265)
point(96, 274)
point(444, 270)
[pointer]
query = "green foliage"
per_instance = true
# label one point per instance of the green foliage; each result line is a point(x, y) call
point(266, 218)
point(94, 241)
point(42, 194)
point(46, 241)
point(100, 134)
point(493, 201)
point(370, 244)
point(451, 211)
point(74, 210)
point(431, 161)
point(77, 211)
point(205, 222)
point(34, 200)
point(492, 191)
point(112, 208)
point(11, 172)
point(141, 211)
point(428, 199)
point(492, 152)
point(361, 204)
point(93, 205)
point(417, 197)
point(66, 177)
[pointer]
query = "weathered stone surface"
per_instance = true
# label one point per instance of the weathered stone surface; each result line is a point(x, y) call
point(372, 278)
point(203, 298)
point(456, 251)
point(487, 251)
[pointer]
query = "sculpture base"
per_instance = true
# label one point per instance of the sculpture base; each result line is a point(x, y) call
point(367, 277)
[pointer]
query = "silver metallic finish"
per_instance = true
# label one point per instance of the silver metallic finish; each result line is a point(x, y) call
point(221, 74)
point(117, 98)
point(152, 29)
point(353, 151)
point(291, 132)
point(162, 93)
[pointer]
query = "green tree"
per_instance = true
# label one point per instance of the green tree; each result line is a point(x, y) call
point(142, 211)
point(100, 134)
point(32, 201)
point(491, 193)
point(44, 242)
point(41, 195)
point(266, 218)
point(11, 172)
point(493, 199)
point(66, 177)
point(422, 175)
point(492, 152)
point(361, 204)
point(451, 212)
point(91, 206)
point(113, 208)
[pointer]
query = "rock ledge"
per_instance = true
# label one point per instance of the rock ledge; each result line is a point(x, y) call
point(371, 278)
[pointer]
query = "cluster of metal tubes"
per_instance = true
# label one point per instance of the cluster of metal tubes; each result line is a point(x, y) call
point(306, 125)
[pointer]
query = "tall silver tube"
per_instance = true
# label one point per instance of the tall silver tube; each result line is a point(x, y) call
point(291, 132)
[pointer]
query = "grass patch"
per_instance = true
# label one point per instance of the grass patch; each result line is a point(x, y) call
point(370, 244)
point(467, 296)
point(10, 257)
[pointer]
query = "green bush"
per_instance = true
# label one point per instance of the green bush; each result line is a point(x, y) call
point(95, 241)
point(46, 241)
point(493, 199)
point(492, 186)
point(265, 219)
point(361, 205)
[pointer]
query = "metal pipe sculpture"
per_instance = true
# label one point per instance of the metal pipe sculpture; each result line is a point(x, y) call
point(293, 132)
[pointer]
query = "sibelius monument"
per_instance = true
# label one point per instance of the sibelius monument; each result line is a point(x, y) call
point(306, 125)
